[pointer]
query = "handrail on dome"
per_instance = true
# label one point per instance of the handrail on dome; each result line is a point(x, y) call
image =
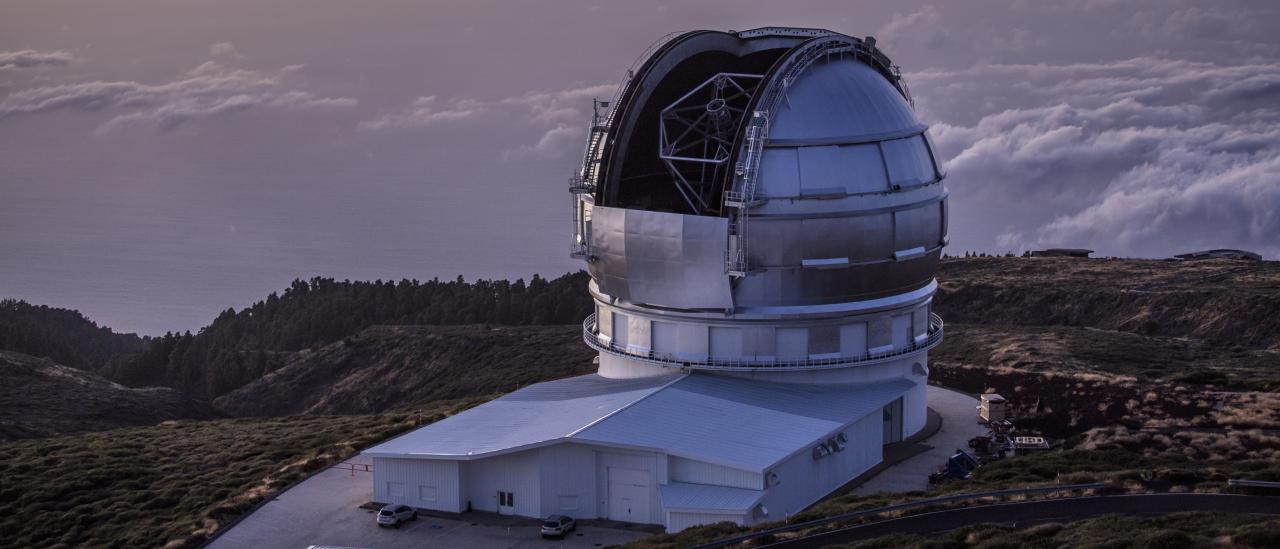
point(590, 334)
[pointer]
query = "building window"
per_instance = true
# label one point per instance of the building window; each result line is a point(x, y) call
point(395, 489)
point(568, 503)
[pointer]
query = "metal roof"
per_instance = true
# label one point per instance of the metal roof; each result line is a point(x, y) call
point(682, 496)
point(843, 98)
point(739, 422)
point(730, 421)
point(532, 415)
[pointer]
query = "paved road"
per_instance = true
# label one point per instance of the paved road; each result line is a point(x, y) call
point(323, 510)
point(959, 424)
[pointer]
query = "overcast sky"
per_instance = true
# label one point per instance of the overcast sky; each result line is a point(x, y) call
point(161, 161)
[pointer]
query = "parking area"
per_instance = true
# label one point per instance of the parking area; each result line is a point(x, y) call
point(959, 424)
point(325, 510)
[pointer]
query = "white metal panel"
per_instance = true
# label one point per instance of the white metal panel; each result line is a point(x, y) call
point(415, 480)
point(663, 337)
point(902, 336)
point(677, 521)
point(655, 466)
point(692, 341)
point(802, 480)
point(793, 343)
point(629, 499)
point(760, 343)
point(621, 330)
point(920, 324)
point(880, 334)
point(638, 335)
point(701, 472)
point(568, 480)
point(726, 342)
point(853, 339)
point(517, 473)
point(604, 322)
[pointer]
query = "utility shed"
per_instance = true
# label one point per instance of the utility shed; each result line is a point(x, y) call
point(675, 450)
point(1062, 252)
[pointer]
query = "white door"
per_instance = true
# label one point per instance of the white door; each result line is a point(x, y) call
point(506, 503)
point(628, 495)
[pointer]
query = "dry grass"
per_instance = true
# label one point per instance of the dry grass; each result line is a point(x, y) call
point(172, 484)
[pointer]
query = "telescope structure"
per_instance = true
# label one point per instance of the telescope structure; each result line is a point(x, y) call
point(762, 215)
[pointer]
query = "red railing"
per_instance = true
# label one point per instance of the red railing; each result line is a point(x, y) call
point(353, 467)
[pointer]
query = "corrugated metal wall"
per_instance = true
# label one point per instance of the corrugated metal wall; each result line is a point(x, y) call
point(677, 521)
point(700, 472)
point(568, 480)
point(516, 473)
point(654, 464)
point(424, 483)
point(802, 479)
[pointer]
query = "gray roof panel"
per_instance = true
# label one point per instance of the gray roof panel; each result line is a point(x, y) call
point(682, 496)
point(730, 421)
point(740, 422)
point(535, 414)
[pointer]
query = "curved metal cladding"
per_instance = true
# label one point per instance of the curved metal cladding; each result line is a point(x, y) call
point(846, 202)
point(800, 241)
point(849, 202)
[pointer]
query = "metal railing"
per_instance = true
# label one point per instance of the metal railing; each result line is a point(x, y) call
point(353, 467)
point(590, 334)
point(901, 507)
point(1237, 483)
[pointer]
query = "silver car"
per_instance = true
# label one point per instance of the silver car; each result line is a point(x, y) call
point(393, 515)
point(558, 526)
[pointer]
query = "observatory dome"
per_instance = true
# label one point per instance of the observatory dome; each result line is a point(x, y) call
point(764, 199)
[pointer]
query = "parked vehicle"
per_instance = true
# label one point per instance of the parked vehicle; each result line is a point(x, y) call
point(558, 526)
point(959, 466)
point(393, 515)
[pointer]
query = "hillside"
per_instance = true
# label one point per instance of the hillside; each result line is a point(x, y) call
point(41, 398)
point(239, 347)
point(173, 484)
point(62, 335)
point(392, 367)
point(1221, 302)
point(1159, 376)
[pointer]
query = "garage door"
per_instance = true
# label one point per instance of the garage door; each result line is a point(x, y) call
point(628, 495)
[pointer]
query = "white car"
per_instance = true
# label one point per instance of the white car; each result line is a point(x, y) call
point(393, 515)
point(558, 526)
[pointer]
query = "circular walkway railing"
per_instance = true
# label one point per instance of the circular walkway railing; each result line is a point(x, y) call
point(590, 334)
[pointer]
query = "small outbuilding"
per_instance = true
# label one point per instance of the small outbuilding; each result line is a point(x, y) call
point(1221, 253)
point(1062, 252)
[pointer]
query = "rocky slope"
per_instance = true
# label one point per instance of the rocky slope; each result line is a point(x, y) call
point(41, 398)
point(389, 367)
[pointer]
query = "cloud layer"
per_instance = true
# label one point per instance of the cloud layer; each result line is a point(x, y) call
point(1141, 157)
point(554, 121)
point(211, 89)
point(26, 59)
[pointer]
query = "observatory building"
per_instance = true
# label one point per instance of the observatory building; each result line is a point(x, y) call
point(762, 215)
